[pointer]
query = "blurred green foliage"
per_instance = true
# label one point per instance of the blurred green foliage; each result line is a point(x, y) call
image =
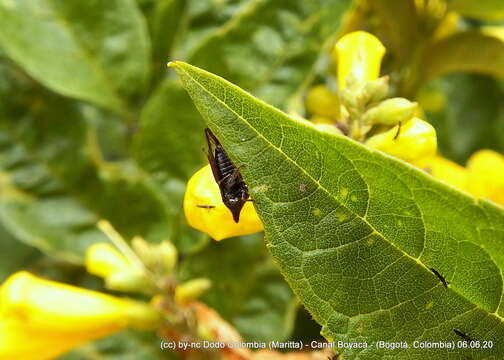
point(93, 126)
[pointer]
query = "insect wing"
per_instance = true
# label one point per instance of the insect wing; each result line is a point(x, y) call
point(212, 142)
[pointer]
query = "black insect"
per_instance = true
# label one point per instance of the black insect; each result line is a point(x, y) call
point(398, 130)
point(205, 206)
point(463, 335)
point(440, 277)
point(234, 191)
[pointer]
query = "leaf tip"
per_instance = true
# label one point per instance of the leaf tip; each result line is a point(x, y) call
point(175, 64)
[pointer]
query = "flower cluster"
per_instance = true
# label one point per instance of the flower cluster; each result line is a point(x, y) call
point(358, 107)
point(42, 319)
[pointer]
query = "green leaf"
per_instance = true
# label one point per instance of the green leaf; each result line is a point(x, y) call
point(173, 150)
point(95, 51)
point(469, 51)
point(484, 9)
point(58, 184)
point(126, 345)
point(269, 47)
point(14, 255)
point(247, 290)
point(399, 21)
point(471, 119)
point(171, 154)
point(165, 19)
point(355, 232)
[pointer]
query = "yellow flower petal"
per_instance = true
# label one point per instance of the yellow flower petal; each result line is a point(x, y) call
point(358, 54)
point(102, 259)
point(414, 140)
point(21, 343)
point(320, 101)
point(49, 306)
point(444, 169)
point(214, 218)
point(486, 175)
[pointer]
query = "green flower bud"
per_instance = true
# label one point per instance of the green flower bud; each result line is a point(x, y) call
point(161, 258)
point(332, 129)
point(377, 90)
point(191, 290)
point(128, 281)
point(391, 112)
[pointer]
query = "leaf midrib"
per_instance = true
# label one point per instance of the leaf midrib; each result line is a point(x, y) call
point(181, 67)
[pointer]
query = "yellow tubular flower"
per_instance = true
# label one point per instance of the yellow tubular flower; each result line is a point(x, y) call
point(358, 54)
point(41, 319)
point(444, 169)
point(410, 141)
point(486, 175)
point(205, 211)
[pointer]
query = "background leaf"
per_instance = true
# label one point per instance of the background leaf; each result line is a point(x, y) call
point(54, 165)
point(483, 9)
point(14, 255)
point(92, 50)
point(469, 51)
point(472, 118)
point(126, 345)
point(338, 239)
point(271, 46)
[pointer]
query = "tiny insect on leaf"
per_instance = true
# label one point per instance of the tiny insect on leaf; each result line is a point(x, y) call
point(462, 335)
point(440, 277)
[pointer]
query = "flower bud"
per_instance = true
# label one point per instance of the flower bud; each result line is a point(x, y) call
point(321, 101)
point(103, 260)
point(496, 31)
point(391, 112)
point(376, 90)
point(486, 175)
point(331, 129)
point(409, 141)
point(191, 290)
point(205, 211)
point(358, 55)
point(161, 258)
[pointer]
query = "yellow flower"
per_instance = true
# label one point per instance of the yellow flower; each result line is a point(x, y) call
point(41, 319)
point(321, 101)
point(205, 211)
point(409, 141)
point(486, 175)
point(444, 169)
point(358, 55)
